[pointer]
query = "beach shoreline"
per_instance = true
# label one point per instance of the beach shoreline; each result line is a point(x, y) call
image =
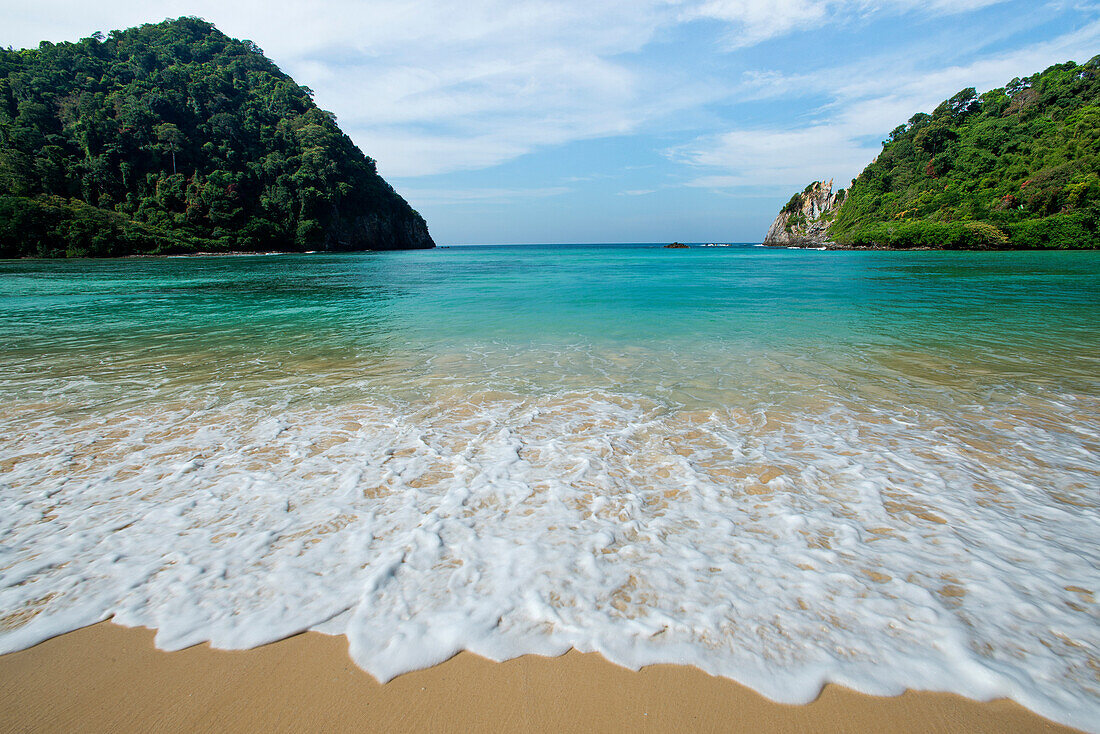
point(111, 678)
point(759, 473)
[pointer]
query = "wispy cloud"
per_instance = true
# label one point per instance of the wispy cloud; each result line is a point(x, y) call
point(425, 87)
point(428, 87)
point(865, 102)
point(776, 157)
point(754, 21)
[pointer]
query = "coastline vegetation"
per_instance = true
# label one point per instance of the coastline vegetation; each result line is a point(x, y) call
point(1015, 167)
point(173, 138)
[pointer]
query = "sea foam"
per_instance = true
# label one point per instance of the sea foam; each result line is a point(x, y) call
point(776, 519)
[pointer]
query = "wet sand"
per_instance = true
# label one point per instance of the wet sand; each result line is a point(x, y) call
point(111, 678)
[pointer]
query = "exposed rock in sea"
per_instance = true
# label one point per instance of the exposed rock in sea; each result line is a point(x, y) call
point(805, 220)
point(677, 246)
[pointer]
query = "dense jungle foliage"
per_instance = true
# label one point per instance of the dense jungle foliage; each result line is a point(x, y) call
point(174, 137)
point(1014, 167)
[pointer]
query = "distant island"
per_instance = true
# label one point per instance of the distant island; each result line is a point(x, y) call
point(174, 138)
point(1017, 167)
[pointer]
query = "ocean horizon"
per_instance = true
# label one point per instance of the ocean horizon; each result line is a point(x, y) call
point(786, 467)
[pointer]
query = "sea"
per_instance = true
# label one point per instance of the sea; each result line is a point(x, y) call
point(786, 467)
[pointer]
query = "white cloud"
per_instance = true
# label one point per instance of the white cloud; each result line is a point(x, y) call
point(866, 102)
point(754, 21)
point(426, 86)
point(777, 157)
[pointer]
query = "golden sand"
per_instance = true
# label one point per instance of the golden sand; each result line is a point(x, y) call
point(109, 678)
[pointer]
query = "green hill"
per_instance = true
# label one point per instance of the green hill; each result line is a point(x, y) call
point(1014, 167)
point(174, 137)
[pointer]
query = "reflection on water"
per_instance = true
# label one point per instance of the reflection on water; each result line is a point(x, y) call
point(874, 468)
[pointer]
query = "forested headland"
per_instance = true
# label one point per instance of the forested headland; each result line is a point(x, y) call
point(174, 138)
point(1015, 167)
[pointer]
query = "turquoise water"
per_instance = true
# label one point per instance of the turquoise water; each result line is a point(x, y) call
point(784, 466)
point(1024, 316)
point(755, 296)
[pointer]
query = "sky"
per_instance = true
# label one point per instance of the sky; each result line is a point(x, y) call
point(553, 121)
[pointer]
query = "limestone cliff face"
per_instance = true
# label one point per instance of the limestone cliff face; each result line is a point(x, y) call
point(805, 220)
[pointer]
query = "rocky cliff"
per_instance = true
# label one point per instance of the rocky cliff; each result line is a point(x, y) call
point(805, 220)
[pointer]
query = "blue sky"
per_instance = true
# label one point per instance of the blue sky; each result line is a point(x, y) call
point(513, 121)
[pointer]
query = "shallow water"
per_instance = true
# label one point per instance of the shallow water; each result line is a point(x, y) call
point(787, 467)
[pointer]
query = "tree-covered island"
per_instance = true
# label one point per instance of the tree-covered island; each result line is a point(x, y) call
point(175, 138)
point(1016, 167)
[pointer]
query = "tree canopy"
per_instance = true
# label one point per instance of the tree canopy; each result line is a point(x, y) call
point(1017, 166)
point(173, 137)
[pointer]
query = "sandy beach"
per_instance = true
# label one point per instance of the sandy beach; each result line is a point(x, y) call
point(110, 678)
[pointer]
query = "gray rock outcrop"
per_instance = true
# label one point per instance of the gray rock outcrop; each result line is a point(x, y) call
point(805, 220)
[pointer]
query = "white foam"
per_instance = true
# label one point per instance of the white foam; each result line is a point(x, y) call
point(782, 523)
